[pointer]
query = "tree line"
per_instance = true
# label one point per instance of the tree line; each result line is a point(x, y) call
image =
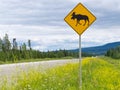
point(11, 51)
point(114, 53)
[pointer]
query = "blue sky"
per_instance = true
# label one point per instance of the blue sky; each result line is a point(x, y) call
point(42, 21)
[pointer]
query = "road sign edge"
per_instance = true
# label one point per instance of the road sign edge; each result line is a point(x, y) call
point(88, 11)
point(68, 14)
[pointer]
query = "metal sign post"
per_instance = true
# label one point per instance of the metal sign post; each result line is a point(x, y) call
point(80, 18)
point(80, 64)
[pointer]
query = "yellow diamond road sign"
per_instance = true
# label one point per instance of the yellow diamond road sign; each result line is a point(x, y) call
point(80, 18)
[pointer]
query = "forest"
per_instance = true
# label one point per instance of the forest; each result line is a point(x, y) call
point(114, 53)
point(11, 51)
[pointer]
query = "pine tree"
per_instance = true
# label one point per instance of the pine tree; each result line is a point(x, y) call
point(6, 43)
point(24, 47)
point(15, 46)
point(114, 53)
point(29, 44)
point(6, 47)
point(0, 44)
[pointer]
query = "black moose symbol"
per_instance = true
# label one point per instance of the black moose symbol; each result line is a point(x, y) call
point(80, 17)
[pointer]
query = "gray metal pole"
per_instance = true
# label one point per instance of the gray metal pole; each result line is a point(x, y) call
point(80, 64)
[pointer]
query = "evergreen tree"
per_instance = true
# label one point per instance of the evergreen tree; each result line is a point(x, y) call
point(24, 47)
point(6, 47)
point(15, 46)
point(6, 43)
point(114, 53)
point(29, 44)
point(15, 53)
point(0, 44)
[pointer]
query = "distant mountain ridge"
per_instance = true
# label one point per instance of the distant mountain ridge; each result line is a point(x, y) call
point(98, 50)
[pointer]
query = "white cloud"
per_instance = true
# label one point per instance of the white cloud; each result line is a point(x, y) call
point(44, 12)
point(52, 38)
point(43, 37)
point(102, 35)
point(110, 5)
point(42, 22)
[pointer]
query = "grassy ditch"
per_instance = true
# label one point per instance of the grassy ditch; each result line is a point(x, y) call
point(97, 74)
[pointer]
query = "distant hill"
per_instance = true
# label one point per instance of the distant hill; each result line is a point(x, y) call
point(98, 50)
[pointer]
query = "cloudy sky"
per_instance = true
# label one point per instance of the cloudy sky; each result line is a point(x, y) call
point(42, 21)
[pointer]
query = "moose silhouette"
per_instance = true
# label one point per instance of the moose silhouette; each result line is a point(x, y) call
point(80, 17)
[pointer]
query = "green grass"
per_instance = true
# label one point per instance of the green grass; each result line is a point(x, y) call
point(97, 74)
point(33, 60)
point(100, 75)
point(115, 62)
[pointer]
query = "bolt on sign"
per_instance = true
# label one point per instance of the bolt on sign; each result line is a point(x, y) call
point(80, 18)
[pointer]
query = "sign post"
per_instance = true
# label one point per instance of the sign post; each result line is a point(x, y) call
point(80, 63)
point(80, 18)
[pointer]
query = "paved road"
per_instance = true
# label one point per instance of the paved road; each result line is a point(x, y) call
point(13, 69)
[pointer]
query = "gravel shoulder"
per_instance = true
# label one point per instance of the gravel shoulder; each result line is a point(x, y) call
point(13, 69)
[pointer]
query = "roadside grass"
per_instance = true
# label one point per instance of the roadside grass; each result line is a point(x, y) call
point(97, 74)
point(100, 75)
point(34, 60)
point(115, 62)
